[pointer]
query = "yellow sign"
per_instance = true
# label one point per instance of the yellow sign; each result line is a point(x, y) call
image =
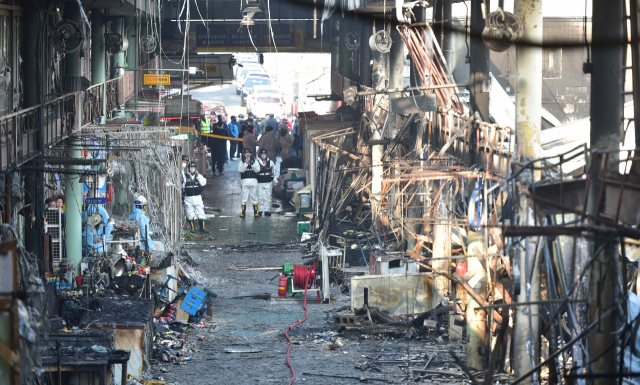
point(157, 80)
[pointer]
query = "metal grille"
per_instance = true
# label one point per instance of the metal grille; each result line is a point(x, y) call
point(53, 226)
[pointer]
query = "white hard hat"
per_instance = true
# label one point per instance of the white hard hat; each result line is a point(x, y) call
point(140, 201)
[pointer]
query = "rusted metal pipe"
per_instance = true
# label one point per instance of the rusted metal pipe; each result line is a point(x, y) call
point(409, 89)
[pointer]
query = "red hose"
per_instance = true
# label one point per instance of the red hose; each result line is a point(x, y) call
point(301, 276)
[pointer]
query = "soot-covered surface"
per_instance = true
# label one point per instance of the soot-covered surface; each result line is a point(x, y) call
point(119, 311)
point(130, 285)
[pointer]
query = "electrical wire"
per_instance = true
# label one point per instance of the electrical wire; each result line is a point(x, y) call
point(270, 28)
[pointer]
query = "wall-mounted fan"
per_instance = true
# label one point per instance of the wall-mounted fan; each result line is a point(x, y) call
point(67, 36)
point(148, 44)
point(115, 43)
point(352, 41)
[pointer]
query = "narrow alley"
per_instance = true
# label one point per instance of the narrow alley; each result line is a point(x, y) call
point(334, 192)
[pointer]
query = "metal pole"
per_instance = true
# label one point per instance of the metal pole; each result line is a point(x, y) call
point(479, 77)
point(117, 60)
point(73, 202)
point(476, 319)
point(441, 244)
point(366, 30)
point(528, 117)
point(396, 63)
point(73, 187)
point(377, 151)
point(135, 44)
point(8, 180)
point(396, 80)
point(634, 12)
point(415, 81)
point(408, 89)
point(97, 47)
point(443, 20)
point(606, 119)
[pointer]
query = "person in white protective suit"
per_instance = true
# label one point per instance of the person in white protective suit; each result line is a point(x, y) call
point(192, 185)
point(249, 168)
point(265, 182)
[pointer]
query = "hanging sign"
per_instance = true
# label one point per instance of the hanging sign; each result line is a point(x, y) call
point(157, 80)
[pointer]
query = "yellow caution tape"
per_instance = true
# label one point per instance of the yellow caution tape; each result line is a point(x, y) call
point(223, 137)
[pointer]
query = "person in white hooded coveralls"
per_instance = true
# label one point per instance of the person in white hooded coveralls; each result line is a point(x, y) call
point(265, 182)
point(192, 184)
point(248, 168)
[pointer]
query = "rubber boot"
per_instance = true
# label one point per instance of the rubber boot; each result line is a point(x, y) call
point(244, 208)
point(202, 229)
point(267, 213)
point(255, 211)
point(193, 226)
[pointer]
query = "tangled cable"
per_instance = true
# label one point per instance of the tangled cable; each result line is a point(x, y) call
point(301, 277)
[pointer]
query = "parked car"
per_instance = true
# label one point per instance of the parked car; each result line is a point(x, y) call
point(244, 64)
point(215, 108)
point(242, 75)
point(248, 87)
point(265, 100)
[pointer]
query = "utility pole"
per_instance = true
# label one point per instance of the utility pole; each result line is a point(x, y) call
point(606, 123)
point(528, 118)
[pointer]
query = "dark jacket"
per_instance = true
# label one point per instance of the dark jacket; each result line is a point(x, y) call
point(216, 143)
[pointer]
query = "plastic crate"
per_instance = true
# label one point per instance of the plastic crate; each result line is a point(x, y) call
point(303, 227)
point(287, 268)
point(193, 300)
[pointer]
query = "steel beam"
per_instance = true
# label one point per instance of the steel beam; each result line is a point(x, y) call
point(606, 123)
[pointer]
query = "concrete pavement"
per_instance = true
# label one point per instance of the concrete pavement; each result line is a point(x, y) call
point(223, 192)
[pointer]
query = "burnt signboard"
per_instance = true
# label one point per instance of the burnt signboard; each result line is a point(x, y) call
point(256, 35)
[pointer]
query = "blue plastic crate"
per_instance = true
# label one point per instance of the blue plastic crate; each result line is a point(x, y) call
point(193, 300)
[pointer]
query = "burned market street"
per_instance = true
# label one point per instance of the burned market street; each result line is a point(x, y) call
point(244, 338)
point(332, 192)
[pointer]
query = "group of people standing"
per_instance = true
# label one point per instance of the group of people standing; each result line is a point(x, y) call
point(256, 182)
point(268, 137)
